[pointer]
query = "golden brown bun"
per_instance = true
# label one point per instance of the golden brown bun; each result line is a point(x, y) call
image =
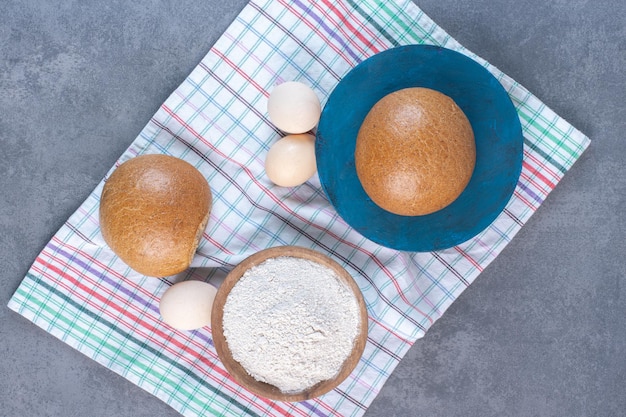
point(415, 152)
point(153, 211)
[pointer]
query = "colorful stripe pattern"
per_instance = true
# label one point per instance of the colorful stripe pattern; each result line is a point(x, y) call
point(84, 295)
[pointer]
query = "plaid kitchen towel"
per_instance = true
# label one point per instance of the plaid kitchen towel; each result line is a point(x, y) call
point(80, 292)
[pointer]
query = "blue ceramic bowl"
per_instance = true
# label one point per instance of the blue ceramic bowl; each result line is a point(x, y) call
point(497, 132)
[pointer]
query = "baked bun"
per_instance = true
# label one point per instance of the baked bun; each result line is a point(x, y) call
point(153, 211)
point(415, 152)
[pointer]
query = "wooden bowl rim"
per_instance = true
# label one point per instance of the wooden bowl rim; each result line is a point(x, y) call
point(238, 373)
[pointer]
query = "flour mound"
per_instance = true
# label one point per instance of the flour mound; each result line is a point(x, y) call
point(291, 323)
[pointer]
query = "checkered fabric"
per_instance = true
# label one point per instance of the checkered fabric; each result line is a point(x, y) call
point(80, 292)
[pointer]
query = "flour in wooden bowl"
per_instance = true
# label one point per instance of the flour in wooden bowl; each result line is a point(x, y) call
point(291, 322)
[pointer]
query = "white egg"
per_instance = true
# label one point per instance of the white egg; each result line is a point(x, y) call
point(294, 107)
point(187, 305)
point(291, 160)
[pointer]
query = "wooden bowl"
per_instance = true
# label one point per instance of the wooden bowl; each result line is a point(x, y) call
point(238, 372)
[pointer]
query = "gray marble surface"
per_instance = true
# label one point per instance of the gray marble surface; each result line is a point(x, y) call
point(542, 332)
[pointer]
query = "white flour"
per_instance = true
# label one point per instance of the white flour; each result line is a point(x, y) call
point(291, 323)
